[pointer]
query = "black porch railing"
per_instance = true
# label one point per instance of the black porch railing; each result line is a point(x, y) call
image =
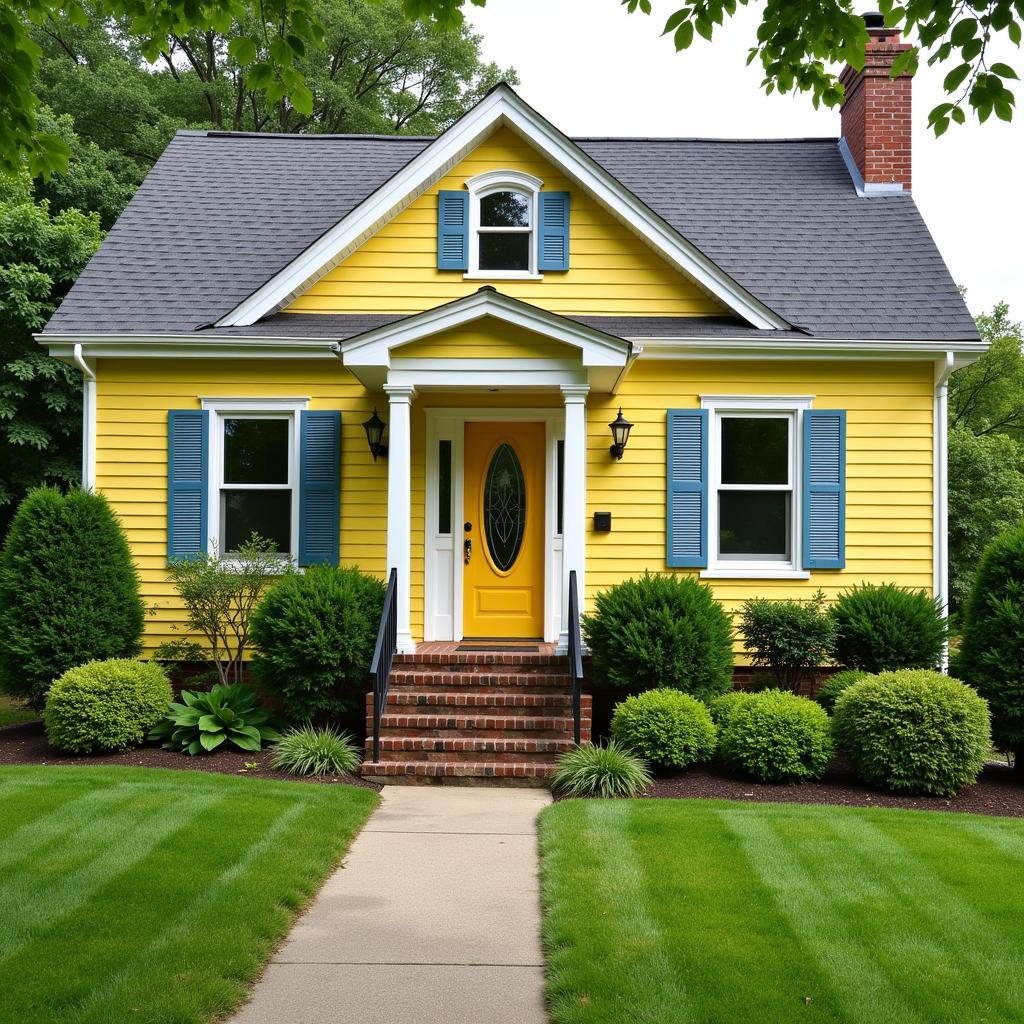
point(383, 656)
point(575, 653)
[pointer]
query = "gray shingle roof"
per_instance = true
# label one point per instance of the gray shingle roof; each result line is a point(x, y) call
point(220, 214)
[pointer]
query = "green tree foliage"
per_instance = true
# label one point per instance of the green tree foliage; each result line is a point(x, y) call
point(41, 254)
point(260, 65)
point(69, 592)
point(986, 497)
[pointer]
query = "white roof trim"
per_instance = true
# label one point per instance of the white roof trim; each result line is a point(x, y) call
point(500, 107)
point(375, 347)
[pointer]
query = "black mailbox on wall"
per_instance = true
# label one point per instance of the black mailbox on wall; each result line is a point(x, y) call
point(602, 522)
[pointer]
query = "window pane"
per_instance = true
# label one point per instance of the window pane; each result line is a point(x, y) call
point(255, 451)
point(755, 450)
point(268, 513)
point(444, 487)
point(505, 252)
point(505, 210)
point(754, 524)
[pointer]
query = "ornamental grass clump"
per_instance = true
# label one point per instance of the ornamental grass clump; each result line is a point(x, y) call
point(315, 750)
point(830, 690)
point(775, 736)
point(670, 729)
point(882, 628)
point(913, 731)
point(106, 705)
point(660, 631)
point(600, 771)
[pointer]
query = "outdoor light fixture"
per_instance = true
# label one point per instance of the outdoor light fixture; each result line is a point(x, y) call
point(374, 428)
point(620, 428)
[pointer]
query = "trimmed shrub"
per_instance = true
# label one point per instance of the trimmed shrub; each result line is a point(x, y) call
point(913, 731)
point(776, 736)
point(721, 708)
point(668, 728)
point(602, 771)
point(660, 631)
point(106, 705)
point(314, 635)
point(313, 750)
point(991, 656)
point(202, 722)
point(885, 628)
point(829, 691)
point(790, 638)
point(69, 593)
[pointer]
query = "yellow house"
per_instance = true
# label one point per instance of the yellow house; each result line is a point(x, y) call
point(771, 318)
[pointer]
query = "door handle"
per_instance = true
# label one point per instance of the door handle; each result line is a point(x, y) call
point(467, 550)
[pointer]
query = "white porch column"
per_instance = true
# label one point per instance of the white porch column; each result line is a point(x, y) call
point(574, 502)
point(400, 504)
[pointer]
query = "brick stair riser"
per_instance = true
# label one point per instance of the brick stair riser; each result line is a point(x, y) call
point(424, 679)
point(413, 745)
point(459, 757)
point(440, 769)
point(401, 700)
point(464, 719)
point(485, 658)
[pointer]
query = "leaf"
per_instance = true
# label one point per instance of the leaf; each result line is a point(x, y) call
point(1013, 31)
point(684, 35)
point(675, 20)
point(956, 77)
point(704, 27)
point(211, 741)
point(209, 723)
point(1003, 70)
point(243, 49)
point(963, 30)
point(301, 99)
point(246, 742)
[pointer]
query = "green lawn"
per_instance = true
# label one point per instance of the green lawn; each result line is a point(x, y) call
point(153, 896)
point(678, 911)
point(11, 712)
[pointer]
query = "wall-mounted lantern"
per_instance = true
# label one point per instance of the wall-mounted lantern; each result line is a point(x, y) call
point(375, 428)
point(620, 428)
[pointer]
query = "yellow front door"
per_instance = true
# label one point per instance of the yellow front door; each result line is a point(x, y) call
point(503, 537)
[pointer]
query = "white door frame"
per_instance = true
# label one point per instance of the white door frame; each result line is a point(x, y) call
point(442, 564)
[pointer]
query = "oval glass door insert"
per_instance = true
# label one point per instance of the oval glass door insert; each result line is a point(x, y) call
point(504, 507)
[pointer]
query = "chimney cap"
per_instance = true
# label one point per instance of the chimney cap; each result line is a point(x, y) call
point(874, 19)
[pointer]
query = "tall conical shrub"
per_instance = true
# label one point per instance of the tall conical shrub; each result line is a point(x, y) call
point(69, 592)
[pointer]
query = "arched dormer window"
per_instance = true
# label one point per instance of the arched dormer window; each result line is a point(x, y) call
point(503, 225)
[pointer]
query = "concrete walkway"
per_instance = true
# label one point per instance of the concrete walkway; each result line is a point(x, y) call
point(433, 917)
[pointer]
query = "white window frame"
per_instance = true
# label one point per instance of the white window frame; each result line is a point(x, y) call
point(486, 184)
point(721, 407)
point(222, 409)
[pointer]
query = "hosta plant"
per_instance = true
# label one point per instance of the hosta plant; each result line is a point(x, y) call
point(204, 722)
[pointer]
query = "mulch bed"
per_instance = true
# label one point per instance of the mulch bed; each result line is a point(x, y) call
point(27, 744)
point(999, 791)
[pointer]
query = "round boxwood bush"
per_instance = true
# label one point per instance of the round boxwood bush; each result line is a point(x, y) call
point(881, 628)
point(69, 592)
point(106, 705)
point(776, 736)
point(828, 692)
point(721, 708)
point(913, 731)
point(314, 634)
point(991, 656)
point(660, 631)
point(600, 771)
point(670, 729)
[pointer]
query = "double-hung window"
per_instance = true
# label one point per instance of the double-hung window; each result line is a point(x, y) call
point(502, 224)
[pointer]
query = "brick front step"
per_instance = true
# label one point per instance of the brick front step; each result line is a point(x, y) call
point(396, 771)
point(481, 657)
point(488, 726)
point(544, 677)
point(476, 698)
point(496, 750)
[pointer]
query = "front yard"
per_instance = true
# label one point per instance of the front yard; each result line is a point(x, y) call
point(150, 895)
point(670, 912)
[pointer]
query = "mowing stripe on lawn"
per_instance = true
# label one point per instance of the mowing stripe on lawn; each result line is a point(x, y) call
point(1007, 841)
point(109, 846)
point(809, 901)
point(192, 912)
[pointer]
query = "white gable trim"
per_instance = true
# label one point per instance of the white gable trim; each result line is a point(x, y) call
point(501, 107)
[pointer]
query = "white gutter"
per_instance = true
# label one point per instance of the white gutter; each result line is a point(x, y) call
point(940, 530)
point(88, 418)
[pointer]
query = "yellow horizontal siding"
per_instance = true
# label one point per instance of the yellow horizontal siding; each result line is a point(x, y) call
point(612, 271)
point(492, 340)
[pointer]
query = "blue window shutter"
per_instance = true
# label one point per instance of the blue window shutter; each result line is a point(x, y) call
point(319, 487)
point(553, 250)
point(452, 230)
point(687, 516)
point(824, 489)
point(188, 447)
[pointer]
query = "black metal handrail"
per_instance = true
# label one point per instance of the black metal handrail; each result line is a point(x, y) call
point(575, 653)
point(383, 656)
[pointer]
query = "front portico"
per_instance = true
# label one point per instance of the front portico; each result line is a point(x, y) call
point(453, 362)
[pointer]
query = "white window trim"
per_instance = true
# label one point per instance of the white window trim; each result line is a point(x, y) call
point(486, 184)
point(252, 408)
point(755, 405)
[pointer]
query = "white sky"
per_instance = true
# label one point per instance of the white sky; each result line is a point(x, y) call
point(593, 69)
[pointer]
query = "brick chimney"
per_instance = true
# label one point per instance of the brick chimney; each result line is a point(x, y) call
point(876, 112)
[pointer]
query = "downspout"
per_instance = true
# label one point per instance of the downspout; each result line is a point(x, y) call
point(88, 419)
point(943, 369)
